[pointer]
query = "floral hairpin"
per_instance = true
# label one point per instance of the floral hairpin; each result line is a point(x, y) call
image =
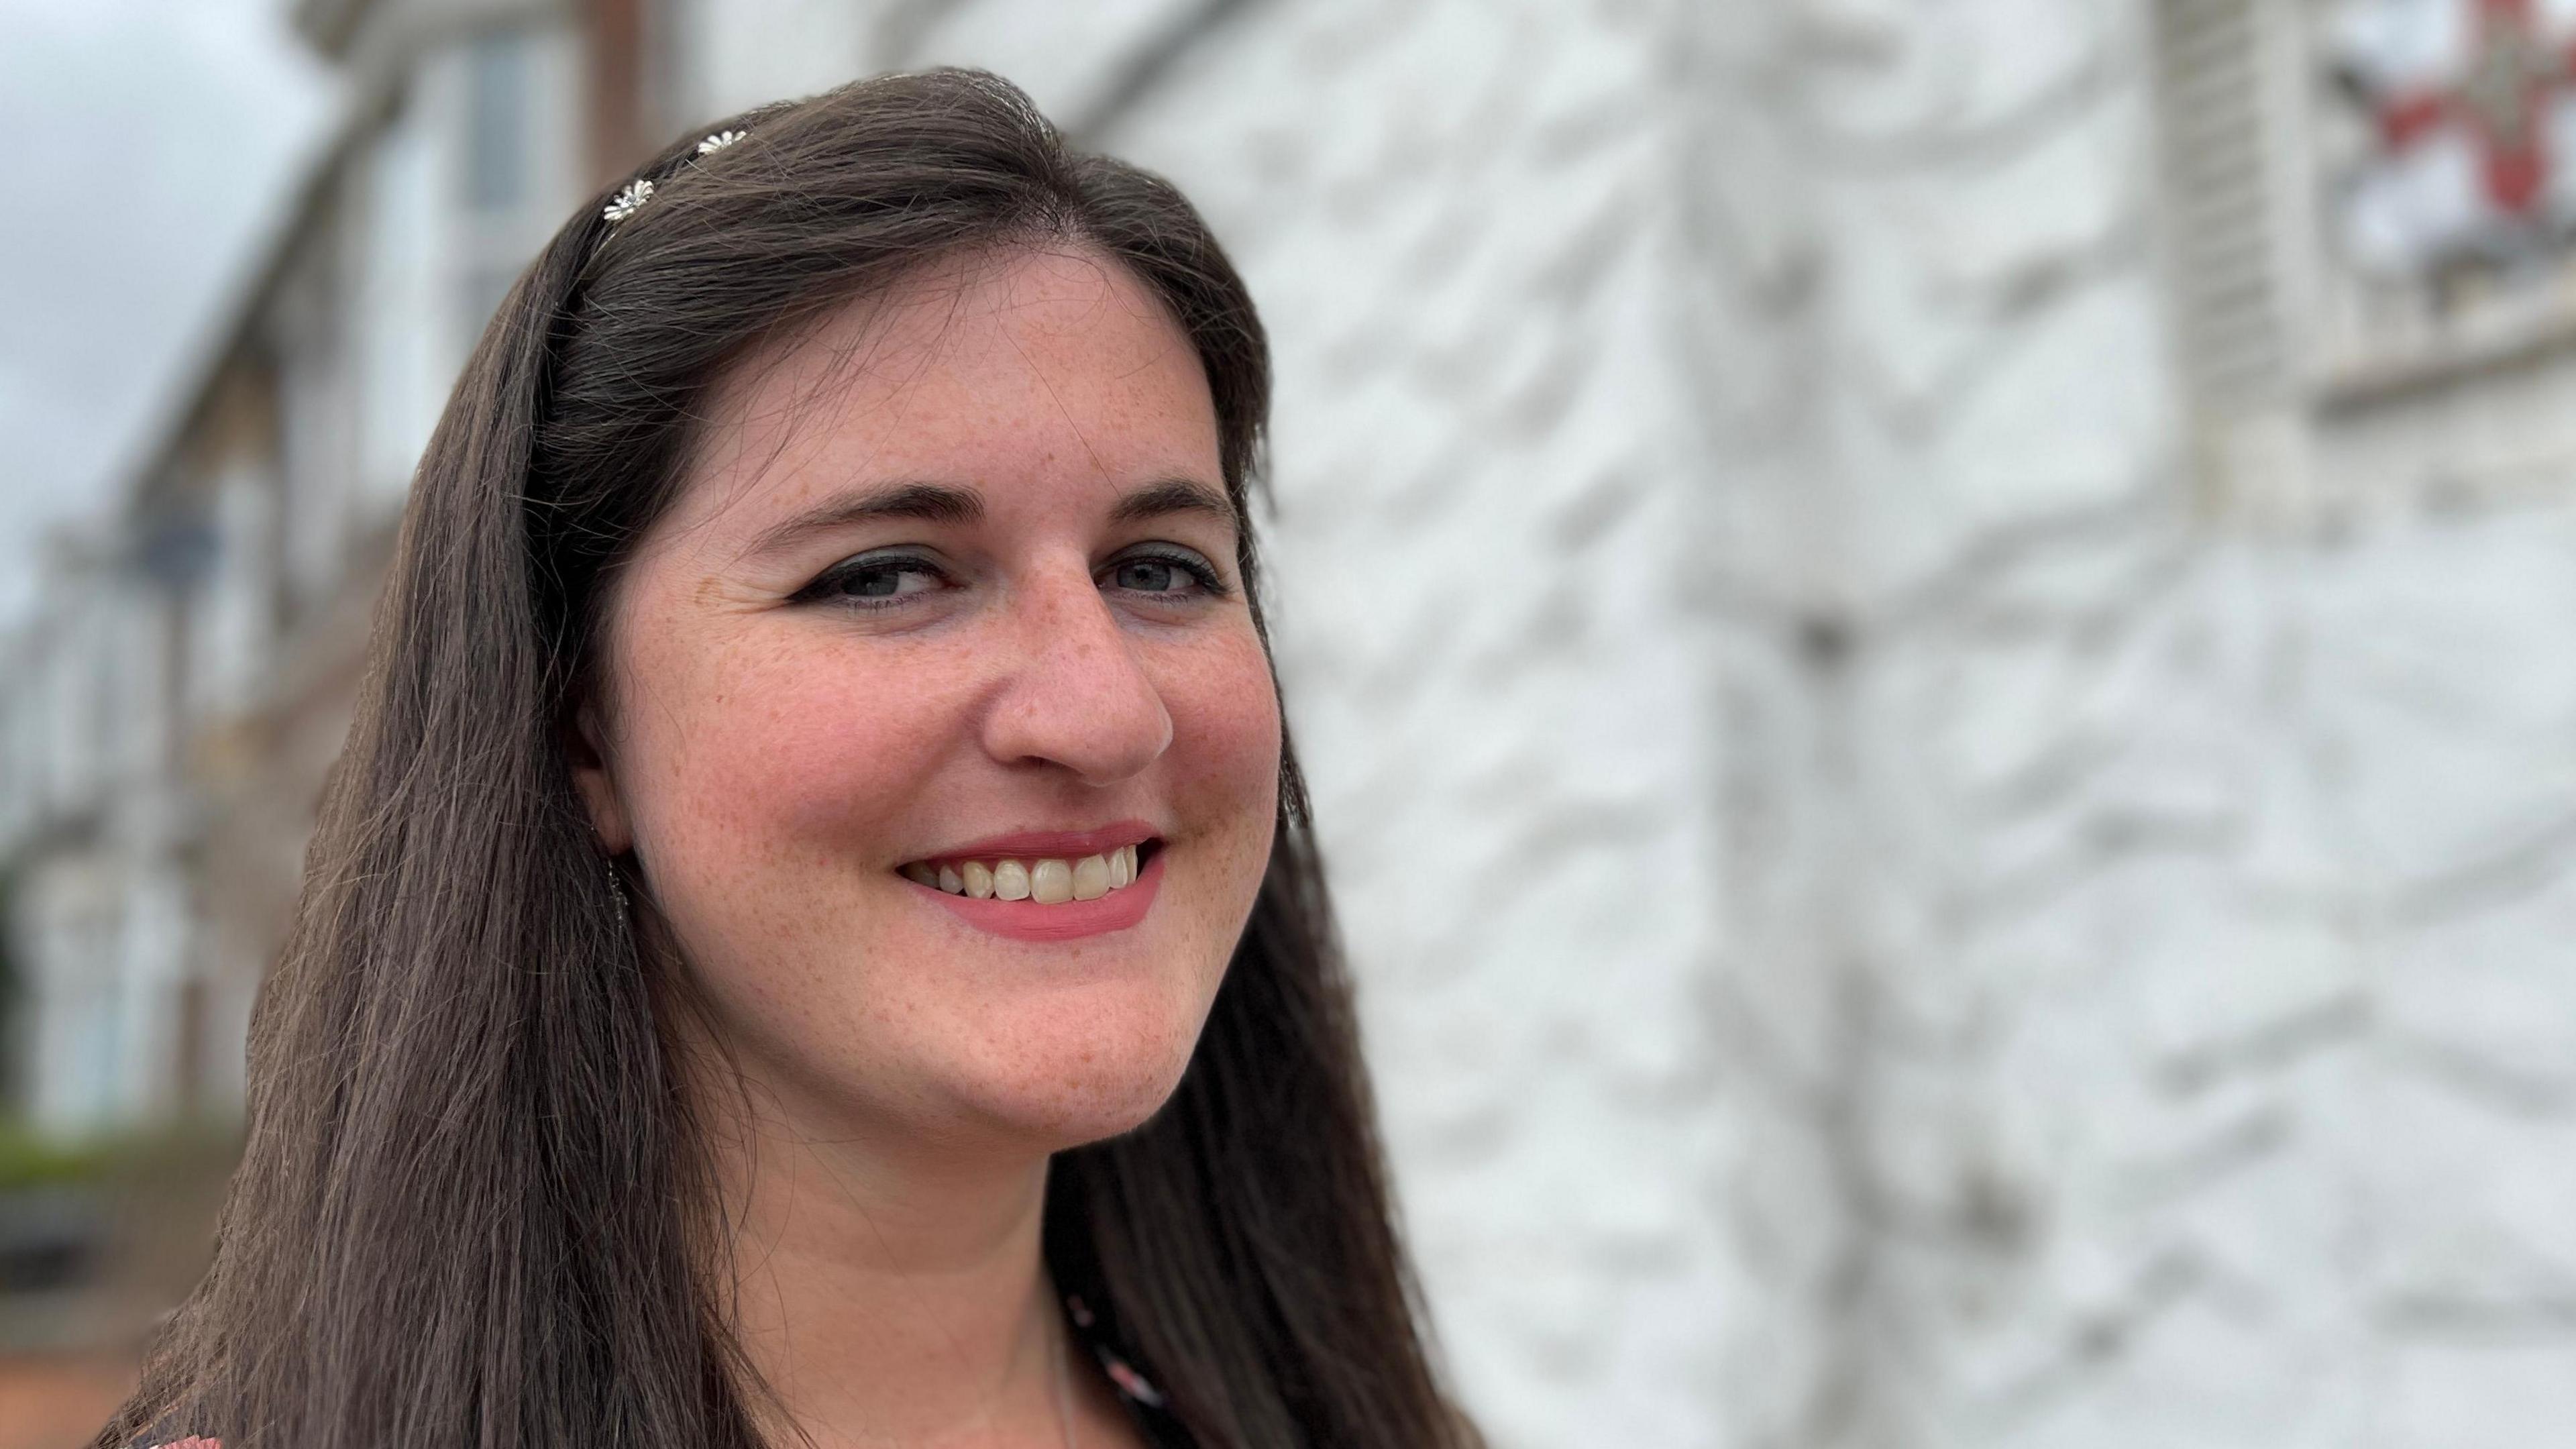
point(640, 190)
point(629, 201)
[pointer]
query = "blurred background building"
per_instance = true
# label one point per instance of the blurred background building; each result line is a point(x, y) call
point(1933, 642)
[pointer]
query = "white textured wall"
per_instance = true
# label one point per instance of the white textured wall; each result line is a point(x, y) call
point(1457, 219)
point(1881, 926)
point(2149, 942)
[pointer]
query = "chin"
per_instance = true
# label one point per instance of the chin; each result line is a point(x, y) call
point(1079, 1079)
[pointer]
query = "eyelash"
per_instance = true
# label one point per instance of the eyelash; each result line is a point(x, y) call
point(826, 587)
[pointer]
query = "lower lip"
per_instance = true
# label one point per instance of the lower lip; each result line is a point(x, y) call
point(1029, 921)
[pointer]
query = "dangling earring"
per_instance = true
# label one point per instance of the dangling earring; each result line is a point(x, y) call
point(617, 890)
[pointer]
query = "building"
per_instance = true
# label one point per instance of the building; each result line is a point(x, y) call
point(1929, 641)
point(199, 654)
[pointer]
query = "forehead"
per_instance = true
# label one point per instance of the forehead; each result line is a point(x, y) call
point(1027, 375)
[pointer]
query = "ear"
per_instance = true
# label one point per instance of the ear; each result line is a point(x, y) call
point(585, 748)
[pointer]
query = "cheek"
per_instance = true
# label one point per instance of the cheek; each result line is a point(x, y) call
point(754, 749)
point(748, 745)
point(1224, 764)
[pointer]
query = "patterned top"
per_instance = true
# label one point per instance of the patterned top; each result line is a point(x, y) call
point(1146, 1407)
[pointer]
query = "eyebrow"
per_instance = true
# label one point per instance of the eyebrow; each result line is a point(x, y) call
point(947, 504)
point(1168, 496)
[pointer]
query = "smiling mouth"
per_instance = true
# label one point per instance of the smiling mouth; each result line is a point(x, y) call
point(1045, 881)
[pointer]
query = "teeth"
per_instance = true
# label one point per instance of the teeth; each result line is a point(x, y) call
point(1090, 878)
point(1048, 882)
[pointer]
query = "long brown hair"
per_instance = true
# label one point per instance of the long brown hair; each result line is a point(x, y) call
point(472, 1209)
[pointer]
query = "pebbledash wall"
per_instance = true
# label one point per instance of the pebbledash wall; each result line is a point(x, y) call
point(1924, 873)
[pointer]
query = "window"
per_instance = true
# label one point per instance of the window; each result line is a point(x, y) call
point(2217, 84)
point(499, 84)
point(2370, 231)
point(674, 64)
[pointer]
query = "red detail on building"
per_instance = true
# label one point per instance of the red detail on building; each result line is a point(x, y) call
point(2513, 75)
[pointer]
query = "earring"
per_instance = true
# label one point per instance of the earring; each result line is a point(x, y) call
point(617, 889)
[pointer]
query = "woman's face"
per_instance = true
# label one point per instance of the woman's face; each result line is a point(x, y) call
point(949, 599)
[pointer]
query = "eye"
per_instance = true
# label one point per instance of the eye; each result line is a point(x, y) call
point(1166, 573)
point(1149, 575)
point(875, 582)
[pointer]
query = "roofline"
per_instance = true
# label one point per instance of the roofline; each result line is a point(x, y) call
point(364, 105)
point(329, 27)
point(216, 345)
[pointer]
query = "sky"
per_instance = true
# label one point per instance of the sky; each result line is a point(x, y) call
point(152, 143)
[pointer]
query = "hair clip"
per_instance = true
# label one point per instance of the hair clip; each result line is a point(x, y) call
point(640, 190)
point(629, 201)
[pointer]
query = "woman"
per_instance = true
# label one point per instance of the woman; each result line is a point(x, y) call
point(814, 937)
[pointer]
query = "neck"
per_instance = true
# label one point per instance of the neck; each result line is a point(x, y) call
point(889, 1297)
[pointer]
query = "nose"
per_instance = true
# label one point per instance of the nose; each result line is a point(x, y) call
point(1077, 695)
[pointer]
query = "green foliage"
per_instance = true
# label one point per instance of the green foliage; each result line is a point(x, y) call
point(12, 981)
point(30, 1159)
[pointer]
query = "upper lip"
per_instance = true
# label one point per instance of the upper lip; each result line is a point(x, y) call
point(1050, 844)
